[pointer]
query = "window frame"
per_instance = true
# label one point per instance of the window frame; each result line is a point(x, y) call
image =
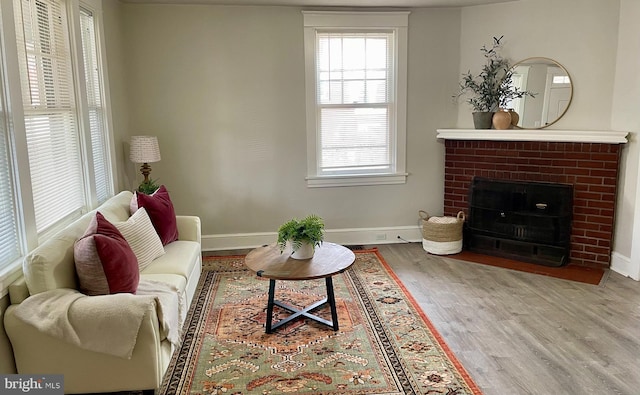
point(95, 8)
point(7, 271)
point(339, 21)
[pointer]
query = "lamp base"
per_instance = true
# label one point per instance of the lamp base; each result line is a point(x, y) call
point(145, 169)
point(148, 186)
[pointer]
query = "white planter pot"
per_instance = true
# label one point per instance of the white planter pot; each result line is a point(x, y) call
point(305, 251)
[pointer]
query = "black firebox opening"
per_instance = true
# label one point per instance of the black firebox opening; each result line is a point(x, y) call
point(526, 221)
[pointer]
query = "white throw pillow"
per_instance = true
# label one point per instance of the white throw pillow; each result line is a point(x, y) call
point(142, 237)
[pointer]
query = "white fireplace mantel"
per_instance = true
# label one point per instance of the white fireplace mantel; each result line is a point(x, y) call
point(547, 135)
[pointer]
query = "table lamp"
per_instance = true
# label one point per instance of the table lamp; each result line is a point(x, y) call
point(145, 150)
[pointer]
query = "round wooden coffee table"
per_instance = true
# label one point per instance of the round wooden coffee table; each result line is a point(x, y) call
point(329, 259)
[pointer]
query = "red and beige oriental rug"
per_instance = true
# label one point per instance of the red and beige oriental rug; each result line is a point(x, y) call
point(385, 345)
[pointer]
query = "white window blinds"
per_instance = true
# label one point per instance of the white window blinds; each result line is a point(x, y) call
point(95, 106)
point(354, 80)
point(9, 243)
point(49, 109)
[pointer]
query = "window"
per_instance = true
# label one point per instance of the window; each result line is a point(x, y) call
point(49, 106)
point(95, 107)
point(356, 97)
point(9, 242)
point(55, 151)
point(60, 179)
point(561, 80)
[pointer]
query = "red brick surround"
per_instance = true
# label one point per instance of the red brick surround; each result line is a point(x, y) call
point(592, 169)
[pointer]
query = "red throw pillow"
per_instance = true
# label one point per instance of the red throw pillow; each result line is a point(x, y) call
point(105, 263)
point(161, 212)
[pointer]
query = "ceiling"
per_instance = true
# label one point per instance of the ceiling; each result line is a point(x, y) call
point(331, 3)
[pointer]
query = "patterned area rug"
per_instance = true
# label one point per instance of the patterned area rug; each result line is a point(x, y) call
point(385, 345)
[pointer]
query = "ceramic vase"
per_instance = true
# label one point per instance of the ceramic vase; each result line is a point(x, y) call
point(501, 119)
point(305, 251)
point(515, 118)
point(482, 120)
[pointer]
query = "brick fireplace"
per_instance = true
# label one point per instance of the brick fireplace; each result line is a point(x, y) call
point(587, 160)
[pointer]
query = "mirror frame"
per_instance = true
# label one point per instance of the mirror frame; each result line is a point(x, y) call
point(550, 61)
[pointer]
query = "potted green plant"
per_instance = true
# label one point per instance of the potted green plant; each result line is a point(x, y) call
point(492, 88)
point(148, 187)
point(303, 235)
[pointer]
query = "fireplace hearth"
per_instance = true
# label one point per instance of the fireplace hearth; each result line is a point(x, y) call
point(527, 221)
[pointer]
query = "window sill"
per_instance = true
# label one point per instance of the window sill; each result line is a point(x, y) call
point(356, 180)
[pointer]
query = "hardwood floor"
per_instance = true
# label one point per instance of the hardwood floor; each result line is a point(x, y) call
point(520, 333)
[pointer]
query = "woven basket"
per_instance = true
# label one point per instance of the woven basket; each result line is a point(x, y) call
point(442, 235)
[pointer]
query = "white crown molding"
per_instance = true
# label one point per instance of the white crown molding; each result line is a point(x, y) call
point(330, 3)
point(359, 236)
point(546, 135)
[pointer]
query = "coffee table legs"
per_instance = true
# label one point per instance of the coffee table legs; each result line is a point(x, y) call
point(272, 293)
point(332, 303)
point(270, 326)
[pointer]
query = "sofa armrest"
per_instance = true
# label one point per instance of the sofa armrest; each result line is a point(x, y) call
point(87, 371)
point(18, 291)
point(83, 320)
point(189, 228)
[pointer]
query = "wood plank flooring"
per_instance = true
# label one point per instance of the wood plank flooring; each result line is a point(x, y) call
point(520, 333)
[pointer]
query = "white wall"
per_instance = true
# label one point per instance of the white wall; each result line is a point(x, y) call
point(223, 89)
point(113, 17)
point(626, 116)
point(579, 34)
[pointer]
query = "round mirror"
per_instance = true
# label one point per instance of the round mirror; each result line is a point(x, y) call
point(551, 85)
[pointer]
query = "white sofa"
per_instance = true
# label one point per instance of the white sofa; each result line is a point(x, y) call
point(51, 266)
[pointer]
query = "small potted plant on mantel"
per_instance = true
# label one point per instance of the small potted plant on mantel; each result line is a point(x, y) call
point(303, 236)
point(492, 88)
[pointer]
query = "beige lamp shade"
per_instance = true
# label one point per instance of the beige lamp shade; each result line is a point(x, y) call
point(144, 149)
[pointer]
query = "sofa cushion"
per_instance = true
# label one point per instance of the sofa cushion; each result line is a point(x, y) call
point(160, 210)
point(180, 258)
point(175, 280)
point(51, 264)
point(104, 261)
point(116, 209)
point(142, 237)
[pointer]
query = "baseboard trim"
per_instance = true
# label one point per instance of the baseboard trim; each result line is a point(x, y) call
point(355, 236)
point(622, 264)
